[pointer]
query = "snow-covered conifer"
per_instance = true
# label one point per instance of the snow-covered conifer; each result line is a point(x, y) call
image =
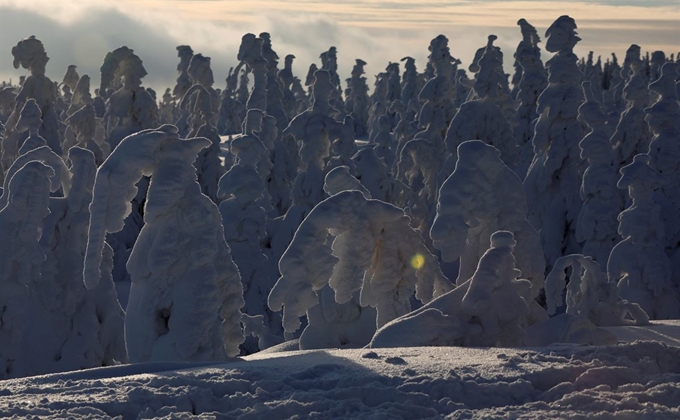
point(482, 117)
point(357, 103)
point(590, 294)
point(492, 308)
point(373, 242)
point(532, 82)
point(554, 178)
point(602, 201)
point(482, 196)
point(632, 135)
point(663, 117)
point(639, 263)
point(250, 52)
point(30, 54)
point(186, 293)
point(21, 216)
point(130, 108)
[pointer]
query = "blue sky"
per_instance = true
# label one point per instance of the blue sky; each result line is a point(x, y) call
point(82, 31)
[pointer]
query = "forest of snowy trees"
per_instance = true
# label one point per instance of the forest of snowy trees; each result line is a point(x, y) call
point(441, 206)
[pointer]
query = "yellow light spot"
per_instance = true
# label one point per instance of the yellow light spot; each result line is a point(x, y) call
point(417, 261)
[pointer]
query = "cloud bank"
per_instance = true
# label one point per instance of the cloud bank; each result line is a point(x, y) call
point(82, 32)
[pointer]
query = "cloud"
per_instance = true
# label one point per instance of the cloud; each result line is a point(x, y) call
point(82, 32)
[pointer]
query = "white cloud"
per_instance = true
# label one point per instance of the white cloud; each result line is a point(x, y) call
point(82, 32)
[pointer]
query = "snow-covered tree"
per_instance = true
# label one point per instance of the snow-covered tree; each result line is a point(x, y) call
point(554, 178)
point(492, 308)
point(357, 103)
point(186, 292)
point(482, 117)
point(639, 263)
point(244, 219)
point(422, 158)
point(632, 135)
point(30, 54)
point(482, 196)
point(602, 201)
point(130, 107)
point(79, 328)
point(26, 205)
point(590, 294)
point(663, 117)
point(532, 82)
point(374, 251)
point(250, 52)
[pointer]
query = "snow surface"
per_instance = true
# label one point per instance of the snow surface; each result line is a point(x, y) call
point(629, 380)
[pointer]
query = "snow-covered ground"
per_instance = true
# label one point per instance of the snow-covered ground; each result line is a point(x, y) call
point(632, 380)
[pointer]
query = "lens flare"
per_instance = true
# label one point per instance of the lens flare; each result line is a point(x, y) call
point(417, 261)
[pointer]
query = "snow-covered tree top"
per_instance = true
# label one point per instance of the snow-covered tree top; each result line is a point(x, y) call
point(640, 178)
point(250, 50)
point(61, 177)
point(267, 52)
point(665, 85)
point(663, 114)
point(561, 35)
point(83, 122)
point(122, 63)
point(243, 183)
point(71, 77)
point(30, 118)
point(530, 36)
point(340, 179)
point(184, 52)
point(440, 55)
point(134, 157)
point(253, 121)
point(30, 54)
point(27, 204)
point(590, 112)
point(632, 58)
point(81, 93)
point(635, 90)
point(199, 71)
point(503, 238)
point(490, 76)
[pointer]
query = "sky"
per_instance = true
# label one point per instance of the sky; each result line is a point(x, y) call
point(81, 32)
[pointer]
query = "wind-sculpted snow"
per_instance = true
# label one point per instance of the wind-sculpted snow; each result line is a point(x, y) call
point(373, 242)
point(183, 306)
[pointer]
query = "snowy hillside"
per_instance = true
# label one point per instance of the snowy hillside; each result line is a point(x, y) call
point(453, 241)
point(638, 380)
